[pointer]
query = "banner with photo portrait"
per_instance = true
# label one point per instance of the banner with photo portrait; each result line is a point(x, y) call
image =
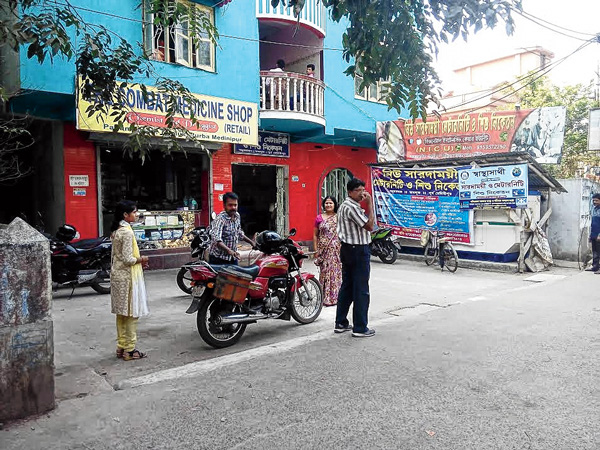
point(539, 132)
point(412, 200)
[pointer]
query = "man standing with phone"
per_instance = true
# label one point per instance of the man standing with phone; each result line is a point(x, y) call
point(353, 227)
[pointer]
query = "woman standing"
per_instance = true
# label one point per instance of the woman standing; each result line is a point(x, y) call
point(327, 246)
point(127, 289)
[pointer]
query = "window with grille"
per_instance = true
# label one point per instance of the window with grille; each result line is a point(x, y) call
point(335, 183)
point(176, 43)
point(373, 93)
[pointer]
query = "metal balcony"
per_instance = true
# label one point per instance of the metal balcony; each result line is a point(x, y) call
point(291, 98)
point(313, 14)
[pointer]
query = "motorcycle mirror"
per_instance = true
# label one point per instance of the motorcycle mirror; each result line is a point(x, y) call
point(77, 235)
point(293, 232)
point(213, 215)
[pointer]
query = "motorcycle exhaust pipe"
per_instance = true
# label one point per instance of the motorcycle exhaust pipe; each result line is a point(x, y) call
point(230, 319)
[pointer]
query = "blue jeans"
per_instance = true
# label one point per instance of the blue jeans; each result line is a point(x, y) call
point(356, 269)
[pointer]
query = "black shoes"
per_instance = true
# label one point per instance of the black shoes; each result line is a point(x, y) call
point(341, 328)
point(369, 332)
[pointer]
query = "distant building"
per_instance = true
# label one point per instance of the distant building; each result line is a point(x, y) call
point(478, 85)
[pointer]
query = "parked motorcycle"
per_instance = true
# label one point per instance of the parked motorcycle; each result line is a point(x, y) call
point(383, 246)
point(83, 263)
point(198, 246)
point(228, 298)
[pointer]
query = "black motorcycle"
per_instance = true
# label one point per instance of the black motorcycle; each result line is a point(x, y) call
point(383, 246)
point(198, 246)
point(83, 263)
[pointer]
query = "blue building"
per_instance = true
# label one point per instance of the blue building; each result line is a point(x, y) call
point(315, 129)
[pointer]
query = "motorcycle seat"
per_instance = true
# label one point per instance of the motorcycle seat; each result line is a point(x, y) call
point(86, 245)
point(252, 270)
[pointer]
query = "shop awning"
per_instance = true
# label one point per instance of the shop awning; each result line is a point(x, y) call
point(539, 178)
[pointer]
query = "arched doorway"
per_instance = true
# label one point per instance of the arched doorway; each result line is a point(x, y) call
point(335, 183)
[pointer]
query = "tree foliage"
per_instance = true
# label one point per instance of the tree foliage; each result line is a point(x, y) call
point(578, 100)
point(397, 40)
point(105, 61)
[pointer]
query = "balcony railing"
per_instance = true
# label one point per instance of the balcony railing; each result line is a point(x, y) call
point(313, 14)
point(293, 92)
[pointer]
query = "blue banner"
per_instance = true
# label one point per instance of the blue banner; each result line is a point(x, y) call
point(494, 186)
point(412, 200)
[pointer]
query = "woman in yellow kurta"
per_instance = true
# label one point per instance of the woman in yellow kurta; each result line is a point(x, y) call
point(127, 288)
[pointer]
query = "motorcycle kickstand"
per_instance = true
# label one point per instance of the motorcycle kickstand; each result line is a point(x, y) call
point(72, 292)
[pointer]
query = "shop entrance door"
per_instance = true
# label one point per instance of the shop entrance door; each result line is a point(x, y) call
point(263, 197)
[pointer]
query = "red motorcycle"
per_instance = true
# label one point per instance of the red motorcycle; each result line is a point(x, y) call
point(228, 298)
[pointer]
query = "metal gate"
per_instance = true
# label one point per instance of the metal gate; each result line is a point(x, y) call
point(281, 209)
point(335, 183)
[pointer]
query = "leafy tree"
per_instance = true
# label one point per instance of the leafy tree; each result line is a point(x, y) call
point(397, 40)
point(578, 100)
point(105, 62)
point(392, 40)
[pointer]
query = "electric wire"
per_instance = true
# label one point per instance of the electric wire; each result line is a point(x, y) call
point(531, 19)
point(148, 22)
point(534, 79)
point(543, 70)
point(553, 24)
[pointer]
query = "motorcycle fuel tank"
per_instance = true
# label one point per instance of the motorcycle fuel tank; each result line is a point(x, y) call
point(272, 266)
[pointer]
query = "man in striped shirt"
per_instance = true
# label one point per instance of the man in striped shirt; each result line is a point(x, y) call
point(353, 227)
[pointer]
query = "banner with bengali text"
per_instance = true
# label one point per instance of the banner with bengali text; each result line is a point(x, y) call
point(539, 132)
point(493, 186)
point(412, 200)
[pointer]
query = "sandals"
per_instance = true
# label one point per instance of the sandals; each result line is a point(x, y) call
point(120, 352)
point(135, 354)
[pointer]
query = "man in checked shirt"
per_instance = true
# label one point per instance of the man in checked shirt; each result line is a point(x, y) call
point(225, 233)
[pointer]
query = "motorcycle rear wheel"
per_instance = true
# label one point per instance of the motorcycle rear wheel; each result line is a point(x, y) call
point(213, 335)
point(102, 287)
point(389, 253)
point(302, 308)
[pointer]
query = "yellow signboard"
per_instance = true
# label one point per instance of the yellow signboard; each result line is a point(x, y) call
point(218, 119)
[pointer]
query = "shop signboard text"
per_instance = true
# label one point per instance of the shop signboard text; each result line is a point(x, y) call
point(412, 200)
point(218, 119)
point(269, 144)
point(493, 187)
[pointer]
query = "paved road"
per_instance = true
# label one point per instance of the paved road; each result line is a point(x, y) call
point(85, 328)
point(498, 362)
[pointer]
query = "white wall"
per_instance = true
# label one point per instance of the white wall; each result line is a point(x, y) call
point(569, 225)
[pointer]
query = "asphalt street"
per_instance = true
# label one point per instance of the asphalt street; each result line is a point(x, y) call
point(467, 360)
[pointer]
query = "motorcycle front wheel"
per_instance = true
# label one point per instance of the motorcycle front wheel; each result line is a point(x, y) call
point(306, 308)
point(184, 279)
point(389, 253)
point(213, 334)
point(102, 286)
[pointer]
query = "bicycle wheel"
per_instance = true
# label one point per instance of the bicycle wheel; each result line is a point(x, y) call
point(450, 258)
point(431, 253)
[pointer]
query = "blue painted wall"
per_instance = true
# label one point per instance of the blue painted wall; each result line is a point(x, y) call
point(342, 110)
point(237, 63)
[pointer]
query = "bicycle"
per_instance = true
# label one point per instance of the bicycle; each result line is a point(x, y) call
point(441, 249)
